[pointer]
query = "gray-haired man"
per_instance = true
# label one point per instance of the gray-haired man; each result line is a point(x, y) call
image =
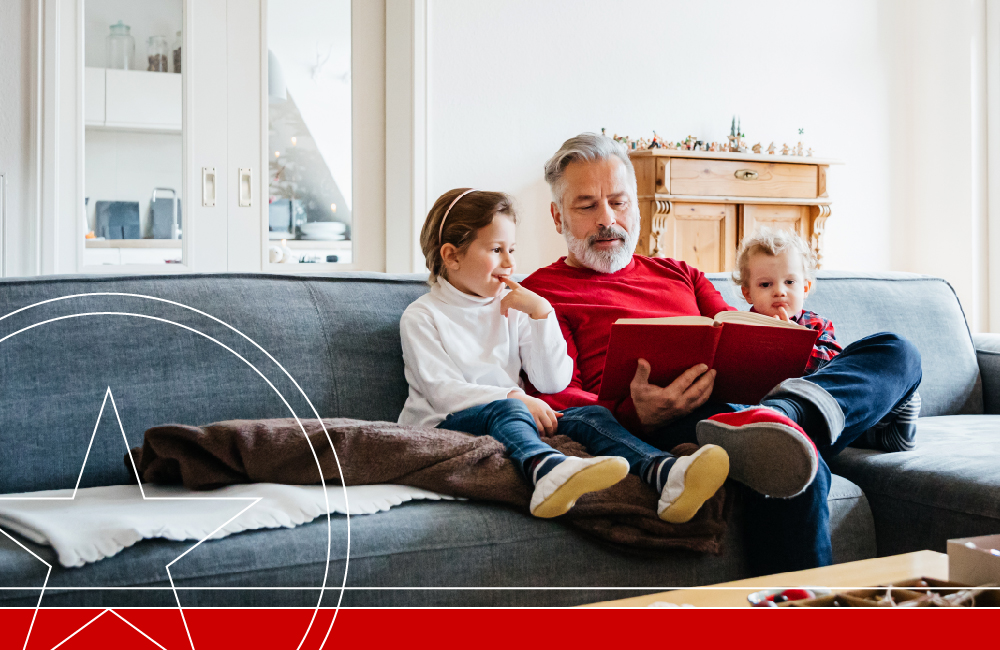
point(776, 448)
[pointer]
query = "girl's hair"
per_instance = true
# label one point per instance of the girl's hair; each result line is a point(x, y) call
point(772, 241)
point(472, 212)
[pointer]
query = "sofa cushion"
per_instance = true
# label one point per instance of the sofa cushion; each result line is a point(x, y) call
point(923, 309)
point(945, 488)
point(395, 556)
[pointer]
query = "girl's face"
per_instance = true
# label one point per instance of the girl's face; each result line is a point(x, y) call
point(777, 281)
point(477, 270)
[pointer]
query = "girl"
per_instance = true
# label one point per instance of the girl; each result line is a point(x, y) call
point(466, 342)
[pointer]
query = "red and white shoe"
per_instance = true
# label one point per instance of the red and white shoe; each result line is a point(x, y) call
point(768, 452)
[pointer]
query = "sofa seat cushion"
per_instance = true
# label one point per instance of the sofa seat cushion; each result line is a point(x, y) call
point(501, 553)
point(945, 488)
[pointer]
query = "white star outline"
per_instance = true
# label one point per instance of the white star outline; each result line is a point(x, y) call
point(312, 620)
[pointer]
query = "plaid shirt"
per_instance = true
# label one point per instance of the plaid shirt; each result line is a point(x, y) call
point(826, 347)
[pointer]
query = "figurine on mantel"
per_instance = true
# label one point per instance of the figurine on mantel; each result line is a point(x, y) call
point(735, 142)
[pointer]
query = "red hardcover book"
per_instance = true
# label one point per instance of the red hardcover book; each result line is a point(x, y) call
point(750, 352)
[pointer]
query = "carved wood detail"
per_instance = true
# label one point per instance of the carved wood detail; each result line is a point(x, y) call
point(820, 213)
point(659, 225)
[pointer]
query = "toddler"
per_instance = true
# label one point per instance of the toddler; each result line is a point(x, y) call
point(466, 342)
point(776, 270)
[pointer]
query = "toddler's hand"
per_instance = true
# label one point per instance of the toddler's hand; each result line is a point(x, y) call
point(524, 300)
point(545, 418)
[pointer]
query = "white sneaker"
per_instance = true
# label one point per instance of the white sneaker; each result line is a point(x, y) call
point(557, 492)
point(692, 481)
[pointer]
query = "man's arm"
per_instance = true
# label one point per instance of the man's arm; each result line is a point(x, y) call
point(655, 406)
point(710, 301)
point(574, 394)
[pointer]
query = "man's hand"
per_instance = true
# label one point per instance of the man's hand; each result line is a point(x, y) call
point(657, 406)
point(524, 300)
point(545, 417)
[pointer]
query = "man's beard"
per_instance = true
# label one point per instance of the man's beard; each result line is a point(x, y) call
point(604, 261)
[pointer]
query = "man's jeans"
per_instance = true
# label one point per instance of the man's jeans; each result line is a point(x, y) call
point(868, 379)
point(510, 422)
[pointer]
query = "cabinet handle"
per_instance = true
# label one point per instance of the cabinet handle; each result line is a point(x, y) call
point(746, 174)
point(246, 187)
point(208, 187)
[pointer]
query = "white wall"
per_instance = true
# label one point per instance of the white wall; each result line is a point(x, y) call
point(939, 226)
point(508, 82)
point(17, 25)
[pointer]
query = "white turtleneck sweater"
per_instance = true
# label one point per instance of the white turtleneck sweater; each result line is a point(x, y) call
point(460, 352)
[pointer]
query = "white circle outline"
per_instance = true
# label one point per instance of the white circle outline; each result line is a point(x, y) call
point(298, 421)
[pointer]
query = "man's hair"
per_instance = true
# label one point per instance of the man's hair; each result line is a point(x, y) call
point(772, 241)
point(588, 147)
point(472, 212)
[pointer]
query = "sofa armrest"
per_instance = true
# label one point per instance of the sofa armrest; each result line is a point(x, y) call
point(988, 356)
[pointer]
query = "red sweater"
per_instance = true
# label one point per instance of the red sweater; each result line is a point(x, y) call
point(588, 302)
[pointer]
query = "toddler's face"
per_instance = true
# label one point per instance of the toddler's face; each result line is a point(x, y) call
point(776, 282)
point(487, 259)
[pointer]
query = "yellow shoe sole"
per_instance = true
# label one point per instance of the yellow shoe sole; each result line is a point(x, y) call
point(702, 480)
point(591, 479)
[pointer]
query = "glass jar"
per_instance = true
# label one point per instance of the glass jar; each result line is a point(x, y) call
point(177, 52)
point(121, 47)
point(158, 54)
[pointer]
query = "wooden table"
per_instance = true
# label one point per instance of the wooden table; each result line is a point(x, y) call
point(839, 577)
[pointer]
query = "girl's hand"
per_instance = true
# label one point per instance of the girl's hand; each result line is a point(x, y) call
point(546, 420)
point(524, 300)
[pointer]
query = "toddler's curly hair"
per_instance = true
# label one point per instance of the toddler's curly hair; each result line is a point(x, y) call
point(771, 241)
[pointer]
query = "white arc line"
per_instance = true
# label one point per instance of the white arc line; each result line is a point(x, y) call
point(336, 456)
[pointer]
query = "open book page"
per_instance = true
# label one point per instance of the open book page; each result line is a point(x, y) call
point(672, 320)
point(753, 318)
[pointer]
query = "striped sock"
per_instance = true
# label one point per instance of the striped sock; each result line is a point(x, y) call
point(897, 431)
point(542, 464)
point(658, 472)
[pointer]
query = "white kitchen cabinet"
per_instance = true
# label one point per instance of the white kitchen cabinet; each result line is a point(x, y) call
point(93, 96)
point(132, 100)
point(142, 100)
point(218, 109)
point(102, 257)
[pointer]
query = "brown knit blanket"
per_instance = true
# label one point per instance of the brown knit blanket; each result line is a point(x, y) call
point(449, 462)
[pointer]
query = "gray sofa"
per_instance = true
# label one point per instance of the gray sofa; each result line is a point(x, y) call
point(338, 337)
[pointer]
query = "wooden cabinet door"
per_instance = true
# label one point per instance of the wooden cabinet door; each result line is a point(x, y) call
point(786, 217)
point(701, 234)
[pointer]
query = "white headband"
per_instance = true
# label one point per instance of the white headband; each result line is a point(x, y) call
point(441, 227)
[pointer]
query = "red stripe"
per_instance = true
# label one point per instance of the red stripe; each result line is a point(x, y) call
point(492, 628)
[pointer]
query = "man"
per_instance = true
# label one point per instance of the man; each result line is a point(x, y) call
point(777, 448)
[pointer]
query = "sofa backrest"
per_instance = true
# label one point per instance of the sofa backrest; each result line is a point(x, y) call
point(337, 336)
point(922, 308)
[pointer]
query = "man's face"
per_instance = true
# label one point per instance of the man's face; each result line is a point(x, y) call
point(599, 218)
